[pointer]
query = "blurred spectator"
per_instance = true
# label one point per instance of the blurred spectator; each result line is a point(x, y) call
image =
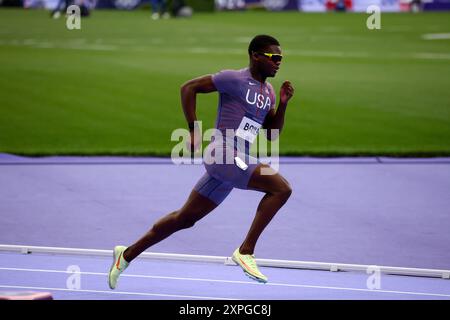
point(11, 3)
point(416, 5)
point(338, 5)
point(62, 5)
point(159, 9)
point(180, 9)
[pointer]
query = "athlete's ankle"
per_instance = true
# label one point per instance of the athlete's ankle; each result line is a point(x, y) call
point(245, 251)
point(125, 256)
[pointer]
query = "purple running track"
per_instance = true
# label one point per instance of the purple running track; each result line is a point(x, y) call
point(375, 211)
point(85, 278)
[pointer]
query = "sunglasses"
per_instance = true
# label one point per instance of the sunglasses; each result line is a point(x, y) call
point(275, 57)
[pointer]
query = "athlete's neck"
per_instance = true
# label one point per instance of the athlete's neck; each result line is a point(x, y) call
point(256, 75)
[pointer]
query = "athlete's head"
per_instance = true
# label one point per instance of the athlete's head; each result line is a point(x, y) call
point(265, 55)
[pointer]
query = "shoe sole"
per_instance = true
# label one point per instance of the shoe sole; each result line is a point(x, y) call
point(247, 273)
point(111, 269)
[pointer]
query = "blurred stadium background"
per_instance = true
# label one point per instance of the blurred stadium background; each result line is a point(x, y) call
point(112, 87)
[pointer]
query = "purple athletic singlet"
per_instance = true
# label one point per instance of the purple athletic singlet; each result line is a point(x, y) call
point(243, 105)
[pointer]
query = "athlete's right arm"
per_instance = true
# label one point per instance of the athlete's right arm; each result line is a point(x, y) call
point(189, 92)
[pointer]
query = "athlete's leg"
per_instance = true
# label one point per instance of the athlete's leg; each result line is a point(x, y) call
point(277, 191)
point(207, 194)
point(196, 207)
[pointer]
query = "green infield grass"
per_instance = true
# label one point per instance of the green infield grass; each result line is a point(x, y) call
point(113, 87)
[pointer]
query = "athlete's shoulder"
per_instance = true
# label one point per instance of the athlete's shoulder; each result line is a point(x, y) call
point(232, 73)
point(227, 81)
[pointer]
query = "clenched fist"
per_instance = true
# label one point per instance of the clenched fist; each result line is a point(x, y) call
point(286, 92)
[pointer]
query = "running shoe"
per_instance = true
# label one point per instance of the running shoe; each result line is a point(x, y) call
point(248, 264)
point(119, 265)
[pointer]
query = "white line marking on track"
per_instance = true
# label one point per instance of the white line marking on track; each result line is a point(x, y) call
point(116, 292)
point(436, 36)
point(432, 56)
point(241, 282)
point(71, 45)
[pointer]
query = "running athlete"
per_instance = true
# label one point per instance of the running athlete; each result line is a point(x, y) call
point(247, 103)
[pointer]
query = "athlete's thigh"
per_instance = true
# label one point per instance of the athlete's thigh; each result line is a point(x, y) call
point(266, 179)
point(197, 206)
point(213, 188)
point(207, 194)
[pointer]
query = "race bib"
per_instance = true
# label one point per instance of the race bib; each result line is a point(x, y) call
point(248, 129)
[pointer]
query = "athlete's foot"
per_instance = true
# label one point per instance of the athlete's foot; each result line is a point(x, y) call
point(248, 264)
point(119, 265)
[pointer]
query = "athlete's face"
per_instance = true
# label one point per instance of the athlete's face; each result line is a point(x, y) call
point(268, 65)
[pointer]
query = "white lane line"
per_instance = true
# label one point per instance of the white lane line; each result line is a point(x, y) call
point(135, 276)
point(116, 292)
point(73, 45)
point(243, 39)
point(80, 45)
point(242, 282)
point(432, 56)
point(436, 36)
point(367, 290)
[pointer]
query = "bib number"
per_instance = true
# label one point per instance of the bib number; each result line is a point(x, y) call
point(248, 129)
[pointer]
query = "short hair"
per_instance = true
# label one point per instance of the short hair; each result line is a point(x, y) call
point(261, 42)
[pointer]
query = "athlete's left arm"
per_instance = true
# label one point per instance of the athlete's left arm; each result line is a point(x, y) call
point(275, 119)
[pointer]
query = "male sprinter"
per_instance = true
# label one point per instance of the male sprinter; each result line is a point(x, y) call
point(246, 100)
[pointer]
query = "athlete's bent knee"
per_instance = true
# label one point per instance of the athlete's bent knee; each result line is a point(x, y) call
point(285, 191)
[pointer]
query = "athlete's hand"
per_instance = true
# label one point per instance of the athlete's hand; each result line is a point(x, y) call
point(195, 140)
point(286, 92)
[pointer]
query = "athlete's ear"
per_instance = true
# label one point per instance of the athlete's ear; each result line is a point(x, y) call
point(254, 55)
